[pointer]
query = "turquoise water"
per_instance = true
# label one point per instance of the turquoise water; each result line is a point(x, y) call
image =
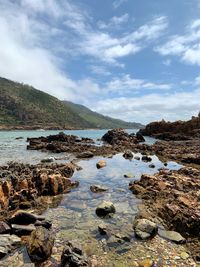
point(12, 149)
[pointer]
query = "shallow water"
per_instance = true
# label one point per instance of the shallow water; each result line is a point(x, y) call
point(12, 149)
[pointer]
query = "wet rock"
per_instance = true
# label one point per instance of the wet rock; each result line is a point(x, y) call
point(100, 164)
point(105, 208)
point(40, 244)
point(47, 160)
point(24, 205)
point(152, 166)
point(44, 223)
point(172, 236)
point(146, 158)
point(8, 243)
point(4, 228)
point(86, 154)
point(98, 188)
point(21, 230)
point(137, 158)
point(128, 175)
point(144, 229)
point(102, 229)
point(23, 218)
point(128, 154)
point(73, 255)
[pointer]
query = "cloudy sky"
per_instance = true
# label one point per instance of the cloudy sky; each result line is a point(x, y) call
point(134, 60)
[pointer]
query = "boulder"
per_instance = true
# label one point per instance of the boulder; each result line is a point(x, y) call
point(86, 154)
point(144, 229)
point(98, 188)
point(23, 218)
point(21, 230)
point(105, 208)
point(40, 244)
point(73, 256)
point(100, 164)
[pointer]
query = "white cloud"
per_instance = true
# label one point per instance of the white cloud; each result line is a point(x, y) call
point(127, 84)
point(167, 62)
point(173, 106)
point(115, 22)
point(100, 70)
point(186, 46)
point(118, 3)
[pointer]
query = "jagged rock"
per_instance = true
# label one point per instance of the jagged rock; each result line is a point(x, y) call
point(105, 208)
point(100, 164)
point(98, 188)
point(172, 236)
point(144, 229)
point(73, 255)
point(40, 244)
point(119, 136)
point(128, 154)
point(4, 228)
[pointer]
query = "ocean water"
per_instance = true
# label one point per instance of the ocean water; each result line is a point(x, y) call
point(12, 149)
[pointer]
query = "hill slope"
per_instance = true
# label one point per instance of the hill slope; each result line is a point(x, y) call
point(98, 120)
point(24, 106)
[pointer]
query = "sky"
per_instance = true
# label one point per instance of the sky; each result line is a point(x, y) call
point(129, 59)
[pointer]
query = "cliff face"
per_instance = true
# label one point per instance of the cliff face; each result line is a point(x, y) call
point(178, 130)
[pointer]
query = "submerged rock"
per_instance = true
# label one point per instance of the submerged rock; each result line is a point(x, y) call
point(73, 256)
point(144, 229)
point(98, 188)
point(146, 158)
point(102, 229)
point(105, 208)
point(40, 244)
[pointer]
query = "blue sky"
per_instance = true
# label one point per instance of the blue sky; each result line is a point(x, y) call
point(134, 60)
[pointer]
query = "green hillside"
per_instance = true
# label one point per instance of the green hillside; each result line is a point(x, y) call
point(98, 120)
point(23, 105)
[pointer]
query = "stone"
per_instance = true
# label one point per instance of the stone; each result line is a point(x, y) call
point(152, 166)
point(128, 175)
point(73, 255)
point(144, 229)
point(98, 188)
point(172, 236)
point(86, 154)
point(40, 244)
point(105, 208)
point(21, 230)
point(140, 137)
point(128, 154)
point(137, 158)
point(146, 263)
point(102, 229)
point(4, 228)
point(146, 158)
point(100, 164)
point(44, 223)
point(48, 160)
point(184, 255)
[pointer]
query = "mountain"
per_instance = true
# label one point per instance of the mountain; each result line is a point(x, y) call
point(98, 120)
point(22, 106)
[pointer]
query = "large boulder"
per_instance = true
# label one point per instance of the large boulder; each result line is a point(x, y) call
point(40, 244)
point(73, 256)
point(105, 208)
point(119, 137)
point(144, 229)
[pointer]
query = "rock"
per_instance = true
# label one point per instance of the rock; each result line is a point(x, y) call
point(119, 137)
point(86, 154)
point(137, 157)
point(146, 263)
point(128, 175)
point(100, 164)
point(44, 223)
point(146, 158)
point(40, 244)
point(105, 208)
point(128, 154)
point(8, 243)
point(4, 228)
point(140, 137)
point(73, 255)
point(23, 218)
point(152, 165)
point(144, 229)
point(21, 230)
point(184, 255)
point(98, 188)
point(172, 236)
point(47, 160)
point(102, 229)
